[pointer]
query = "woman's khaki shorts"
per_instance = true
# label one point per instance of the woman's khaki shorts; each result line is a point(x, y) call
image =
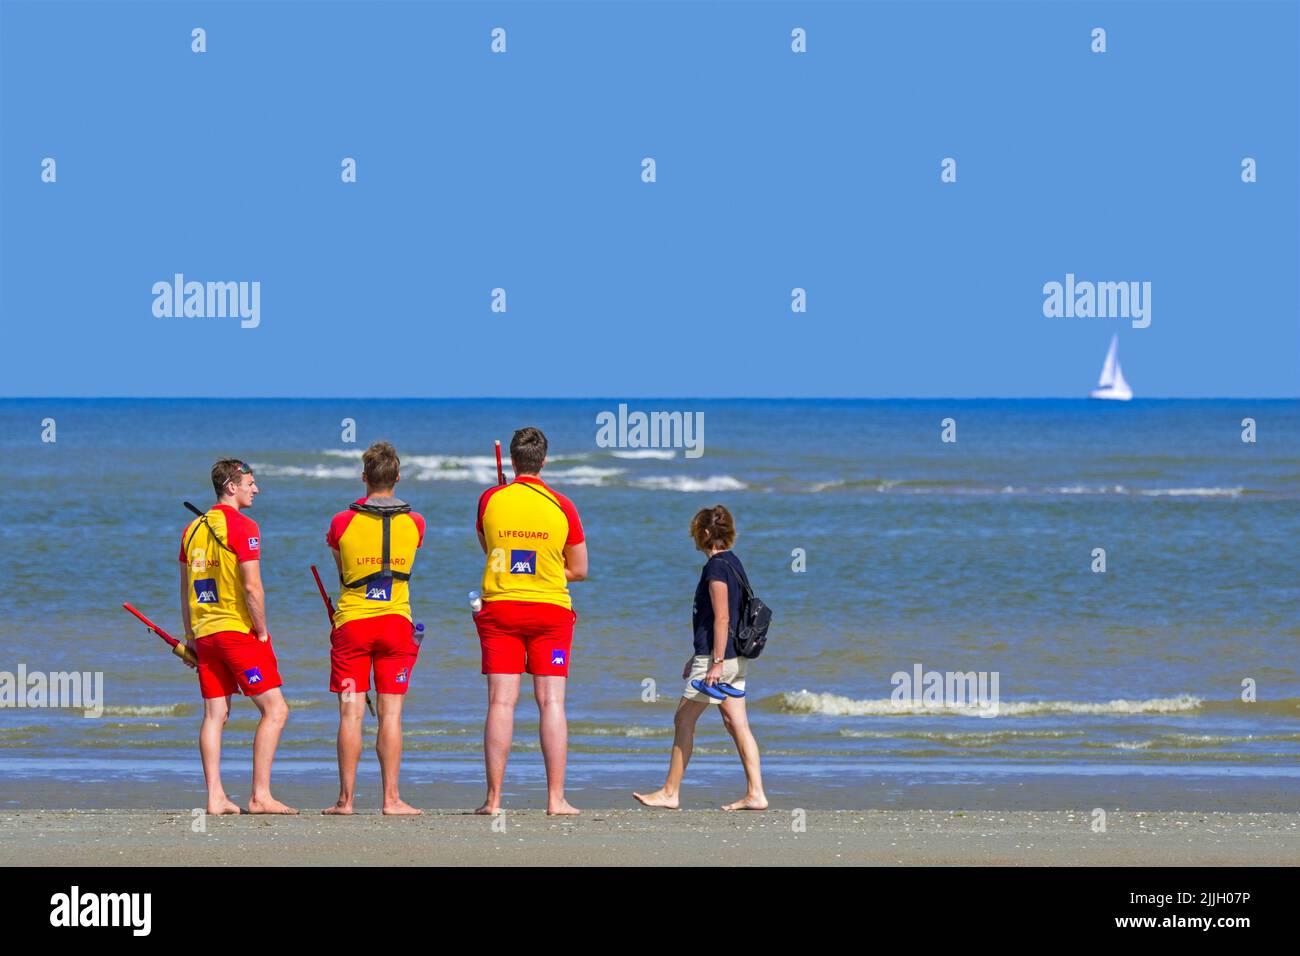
point(733, 673)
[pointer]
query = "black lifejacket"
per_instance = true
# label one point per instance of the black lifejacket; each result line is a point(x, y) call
point(385, 512)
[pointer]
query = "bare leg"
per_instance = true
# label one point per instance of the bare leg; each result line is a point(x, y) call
point(274, 713)
point(688, 712)
point(352, 712)
point(389, 747)
point(215, 712)
point(736, 720)
point(549, 691)
point(498, 731)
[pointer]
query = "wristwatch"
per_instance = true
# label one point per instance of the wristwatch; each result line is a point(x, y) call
point(719, 660)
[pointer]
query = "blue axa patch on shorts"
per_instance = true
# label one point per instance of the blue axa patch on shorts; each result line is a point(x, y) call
point(205, 590)
point(253, 675)
point(558, 657)
point(523, 562)
point(401, 676)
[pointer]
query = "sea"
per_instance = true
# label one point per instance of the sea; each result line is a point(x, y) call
point(1123, 573)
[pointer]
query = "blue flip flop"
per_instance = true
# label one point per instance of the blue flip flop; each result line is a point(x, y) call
point(708, 690)
point(729, 690)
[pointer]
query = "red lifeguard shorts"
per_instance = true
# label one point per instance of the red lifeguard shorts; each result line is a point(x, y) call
point(525, 637)
point(236, 659)
point(384, 642)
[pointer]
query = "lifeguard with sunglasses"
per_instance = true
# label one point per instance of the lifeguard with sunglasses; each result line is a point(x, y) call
point(224, 611)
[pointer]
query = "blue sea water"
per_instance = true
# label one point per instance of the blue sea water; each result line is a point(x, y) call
point(880, 547)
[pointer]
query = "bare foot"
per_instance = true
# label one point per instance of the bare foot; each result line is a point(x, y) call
point(490, 808)
point(658, 799)
point(749, 803)
point(400, 808)
point(269, 805)
point(223, 806)
point(562, 809)
point(340, 809)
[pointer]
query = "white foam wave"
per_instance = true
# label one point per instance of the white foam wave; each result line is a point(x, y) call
point(634, 731)
point(147, 710)
point(891, 485)
point(581, 471)
point(473, 469)
point(807, 702)
point(452, 461)
point(477, 470)
point(885, 484)
point(480, 476)
point(1149, 492)
point(487, 475)
point(684, 483)
point(314, 471)
point(817, 486)
point(655, 453)
point(1195, 492)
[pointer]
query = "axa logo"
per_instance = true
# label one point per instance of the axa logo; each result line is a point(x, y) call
point(401, 676)
point(205, 590)
point(381, 591)
point(253, 675)
point(557, 657)
point(523, 562)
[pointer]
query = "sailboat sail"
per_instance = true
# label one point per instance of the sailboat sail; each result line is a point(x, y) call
point(1108, 370)
point(1118, 382)
point(1111, 384)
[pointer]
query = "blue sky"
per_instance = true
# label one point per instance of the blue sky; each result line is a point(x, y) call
point(523, 171)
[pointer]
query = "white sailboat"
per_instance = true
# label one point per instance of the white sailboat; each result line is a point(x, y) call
point(1111, 384)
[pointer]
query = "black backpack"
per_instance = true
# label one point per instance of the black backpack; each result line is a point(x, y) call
point(755, 619)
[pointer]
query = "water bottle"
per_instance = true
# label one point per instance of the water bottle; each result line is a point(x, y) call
point(418, 634)
point(475, 602)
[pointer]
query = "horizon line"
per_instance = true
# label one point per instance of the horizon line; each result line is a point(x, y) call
point(634, 398)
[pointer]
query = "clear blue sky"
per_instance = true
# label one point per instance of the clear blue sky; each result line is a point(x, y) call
point(522, 171)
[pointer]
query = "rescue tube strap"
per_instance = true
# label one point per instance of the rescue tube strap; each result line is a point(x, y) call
point(203, 519)
point(530, 487)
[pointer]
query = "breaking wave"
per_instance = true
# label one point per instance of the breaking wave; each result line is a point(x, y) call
point(684, 483)
point(807, 702)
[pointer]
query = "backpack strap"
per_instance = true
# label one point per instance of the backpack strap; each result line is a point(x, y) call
point(744, 577)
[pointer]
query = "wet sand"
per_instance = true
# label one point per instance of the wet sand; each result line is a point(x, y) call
point(647, 837)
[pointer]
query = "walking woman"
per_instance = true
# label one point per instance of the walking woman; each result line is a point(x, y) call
point(715, 675)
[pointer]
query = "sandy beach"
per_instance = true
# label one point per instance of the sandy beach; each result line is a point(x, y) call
point(642, 837)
